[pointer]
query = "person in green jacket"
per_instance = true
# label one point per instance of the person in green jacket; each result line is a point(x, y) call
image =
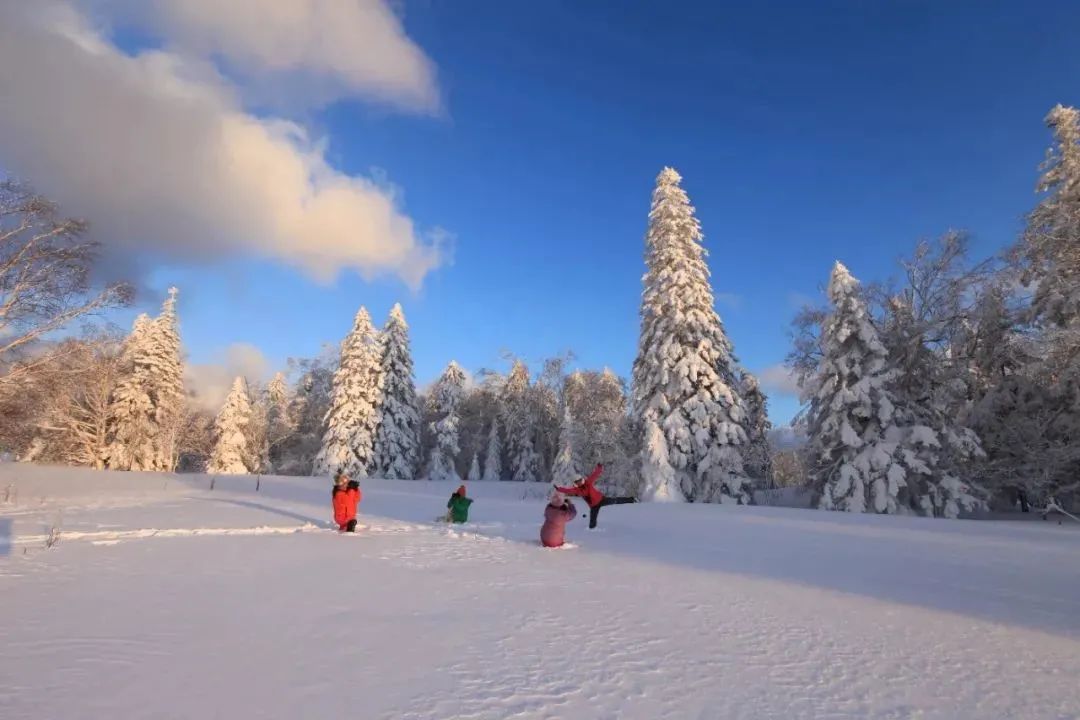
point(458, 506)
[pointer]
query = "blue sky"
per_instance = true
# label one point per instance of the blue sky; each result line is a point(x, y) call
point(805, 133)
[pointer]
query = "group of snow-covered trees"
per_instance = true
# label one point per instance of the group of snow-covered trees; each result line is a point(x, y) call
point(693, 428)
point(955, 386)
point(882, 437)
point(124, 409)
point(960, 387)
point(495, 426)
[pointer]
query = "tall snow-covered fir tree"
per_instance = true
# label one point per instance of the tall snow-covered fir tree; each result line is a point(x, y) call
point(232, 454)
point(445, 401)
point(757, 457)
point(1029, 414)
point(853, 437)
point(1051, 241)
point(684, 379)
point(655, 465)
point(474, 469)
point(493, 456)
point(567, 469)
point(166, 365)
point(147, 406)
point(277, 395)
point(131, 425)
point(279, 419)
point(520, 425)
point(351, 420)
point(397, 439)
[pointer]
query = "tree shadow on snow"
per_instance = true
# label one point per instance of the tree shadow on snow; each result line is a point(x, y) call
point(991, 571)
point(270, 509)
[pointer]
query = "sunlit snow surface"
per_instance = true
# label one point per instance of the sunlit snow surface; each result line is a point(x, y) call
point(161, 598)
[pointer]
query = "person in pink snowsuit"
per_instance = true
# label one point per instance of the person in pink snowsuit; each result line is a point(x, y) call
point(557, 513)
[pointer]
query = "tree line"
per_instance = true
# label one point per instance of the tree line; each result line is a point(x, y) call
point(950, 388)
point(956, 387)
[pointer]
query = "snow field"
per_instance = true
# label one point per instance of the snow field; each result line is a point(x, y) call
point(232, 603)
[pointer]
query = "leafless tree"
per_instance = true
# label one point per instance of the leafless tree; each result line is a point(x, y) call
point(192, 438)
point(45, 278)
point(81, 379)
point(788, 468)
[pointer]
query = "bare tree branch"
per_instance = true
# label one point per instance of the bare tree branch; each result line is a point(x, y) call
point(45, 278)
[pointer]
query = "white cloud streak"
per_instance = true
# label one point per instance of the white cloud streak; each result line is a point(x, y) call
point(321, 48)
point(778, 380)
point(155, 150)
point(211, 382)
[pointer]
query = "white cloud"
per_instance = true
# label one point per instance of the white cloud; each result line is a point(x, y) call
point(324, 48)
point(778, 380)
point(155, 150)
point(210, 382)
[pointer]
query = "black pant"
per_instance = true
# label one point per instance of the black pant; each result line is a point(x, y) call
point(594, 511)
point(351, 526)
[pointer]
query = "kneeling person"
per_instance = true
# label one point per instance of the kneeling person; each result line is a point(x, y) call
point(345, 497)
point(458, 506)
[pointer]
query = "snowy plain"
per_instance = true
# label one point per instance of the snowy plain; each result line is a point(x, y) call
point(162, 598)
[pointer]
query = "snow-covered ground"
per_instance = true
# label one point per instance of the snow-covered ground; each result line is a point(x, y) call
point(162, 598)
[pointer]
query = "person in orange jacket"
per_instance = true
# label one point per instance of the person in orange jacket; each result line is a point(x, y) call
point(585, 488)
point(345, 496)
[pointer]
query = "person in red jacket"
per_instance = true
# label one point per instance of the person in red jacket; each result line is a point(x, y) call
point(586, 489)
point(345, 496)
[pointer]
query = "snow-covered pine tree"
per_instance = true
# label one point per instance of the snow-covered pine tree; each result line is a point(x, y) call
point(478, 406)
point(520, 425)
point(757, 457)
point(603, 417)
point(493, 458)
point(131, 413)
point(597, 403)
point(352, 418)
point(1026, 406)
point(544, 410)
point(1029, 425)
point(853, 437)
point(684, 380)
point(445, 399)
point(1028, 415)
point(231, 454)
point(1051, 241)
point(280, 423)
point(567, 469)
point(147, 412)
point(990, 342)
point(166, 372)
point(474, 469)
point(257, 431)
point(308, 405)
point(937, 451)
point(277, 396)
point(397, 440)
point(656, 466)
